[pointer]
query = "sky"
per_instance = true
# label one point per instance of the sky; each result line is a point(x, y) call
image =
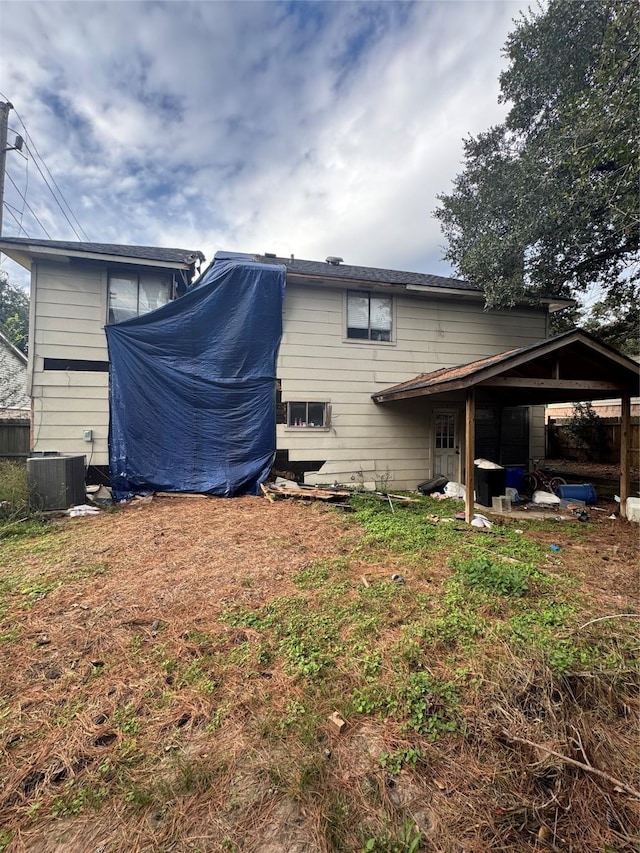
point(301, 128)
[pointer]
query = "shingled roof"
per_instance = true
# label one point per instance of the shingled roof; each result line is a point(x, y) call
point(360, 275)
point(571, 366)
point(143, 253)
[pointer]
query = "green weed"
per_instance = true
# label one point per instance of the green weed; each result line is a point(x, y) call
point(76, 798)
point(393, 762)
point(408, 841)
point(500, 577)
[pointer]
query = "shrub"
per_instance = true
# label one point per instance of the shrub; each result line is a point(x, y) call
point(14, 490)
point(588, 432)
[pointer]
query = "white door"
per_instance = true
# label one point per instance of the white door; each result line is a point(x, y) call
point(446, 449)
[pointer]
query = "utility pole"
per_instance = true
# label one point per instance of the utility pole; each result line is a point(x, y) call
point(4, 122)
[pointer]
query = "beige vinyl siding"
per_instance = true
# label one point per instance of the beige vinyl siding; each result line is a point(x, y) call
point(317, 363)
point(69, 305)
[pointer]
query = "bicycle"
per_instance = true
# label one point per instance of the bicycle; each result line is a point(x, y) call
point(537, 479)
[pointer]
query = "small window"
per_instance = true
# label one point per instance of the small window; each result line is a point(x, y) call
point(368, 316)
point(310, 415)
point(131, 295)
point(445, 431)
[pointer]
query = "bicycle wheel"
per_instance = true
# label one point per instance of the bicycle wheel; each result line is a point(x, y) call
point(554, 482)
point(529, 482)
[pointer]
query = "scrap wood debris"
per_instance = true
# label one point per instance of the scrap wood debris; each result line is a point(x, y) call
point(290, 489)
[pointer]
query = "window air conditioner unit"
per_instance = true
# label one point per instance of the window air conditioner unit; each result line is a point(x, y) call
point(56, 482)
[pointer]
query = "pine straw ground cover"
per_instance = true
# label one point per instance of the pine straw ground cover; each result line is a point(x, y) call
point(168, 671)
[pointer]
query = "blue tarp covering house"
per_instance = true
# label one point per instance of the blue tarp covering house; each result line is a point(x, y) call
point(192, 386)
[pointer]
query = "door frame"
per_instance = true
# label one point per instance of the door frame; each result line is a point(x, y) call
point(458, 426)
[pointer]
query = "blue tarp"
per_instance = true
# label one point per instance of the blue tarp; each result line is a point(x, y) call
point(192, 386)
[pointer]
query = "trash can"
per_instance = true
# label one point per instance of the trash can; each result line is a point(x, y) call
point(514, 478)
point(490, 483)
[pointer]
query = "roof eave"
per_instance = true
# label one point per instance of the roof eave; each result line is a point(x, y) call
point(370, 284)
point(29, 253)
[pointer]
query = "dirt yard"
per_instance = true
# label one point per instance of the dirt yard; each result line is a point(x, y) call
point(162, 689)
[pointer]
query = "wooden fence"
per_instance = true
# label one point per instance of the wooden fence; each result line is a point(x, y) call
point(560, 444)
point(14, 439)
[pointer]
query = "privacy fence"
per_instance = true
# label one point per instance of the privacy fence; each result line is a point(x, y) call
point(561, 444)
point(14, 439)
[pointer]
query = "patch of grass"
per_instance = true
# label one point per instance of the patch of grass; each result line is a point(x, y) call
point(14, 489)
point(408, 840)
point(502, 578)
point(406, 530)
point(424, 704)
point(78, 797)
point(393, 762)
point(316, 574)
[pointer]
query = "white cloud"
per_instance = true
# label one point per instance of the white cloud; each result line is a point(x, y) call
point(301, 128)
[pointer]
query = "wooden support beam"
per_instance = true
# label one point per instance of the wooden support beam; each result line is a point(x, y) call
point(469, 453)
point(585, 385)
point(625, 455)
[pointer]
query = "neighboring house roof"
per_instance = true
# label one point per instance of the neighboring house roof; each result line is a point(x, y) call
point(23, 250)
point(13, 374)
point(562, 368)
point(334, 270)
point(5, 342)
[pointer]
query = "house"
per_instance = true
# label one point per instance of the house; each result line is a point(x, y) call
point(75, 289)
point(351, 335)
point(14, 400)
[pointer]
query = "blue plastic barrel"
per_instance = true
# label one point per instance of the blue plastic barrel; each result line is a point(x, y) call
point(514, 478)
point(578, 492)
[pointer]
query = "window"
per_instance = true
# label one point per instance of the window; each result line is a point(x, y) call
point(131, 294)
point(310, 415)
point(368, 316)
point(445, 431)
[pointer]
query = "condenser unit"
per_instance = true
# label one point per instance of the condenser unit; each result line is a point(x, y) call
point(56, 482)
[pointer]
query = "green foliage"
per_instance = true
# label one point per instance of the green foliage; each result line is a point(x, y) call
point(14, 312)
point(404, 530)
point(76, 798)
point(393, 762)
point(588, 431)
point(426, 705)
point(14, 490)
point(494, 576)
point(547, 202)
point(408, 841)
point(316, 574)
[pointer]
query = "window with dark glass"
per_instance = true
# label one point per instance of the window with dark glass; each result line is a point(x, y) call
point(445, 431)
point(307, 415)
point(369, 317)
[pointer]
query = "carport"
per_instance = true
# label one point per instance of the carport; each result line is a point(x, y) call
point(572, 367)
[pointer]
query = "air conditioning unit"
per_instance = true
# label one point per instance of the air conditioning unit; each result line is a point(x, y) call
point(56, 482)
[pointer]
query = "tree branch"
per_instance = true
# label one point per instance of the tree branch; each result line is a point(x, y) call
point(586, 767)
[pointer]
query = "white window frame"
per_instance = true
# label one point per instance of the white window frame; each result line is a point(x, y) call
point(369, 341)
point(305, 425)
point(136, 275)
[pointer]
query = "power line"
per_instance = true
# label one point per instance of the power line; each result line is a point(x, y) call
point(30, 144)
point(26, 145)
point(31, 211)
point(15, 218)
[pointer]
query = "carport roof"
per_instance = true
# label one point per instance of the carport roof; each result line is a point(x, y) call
point(572, 366)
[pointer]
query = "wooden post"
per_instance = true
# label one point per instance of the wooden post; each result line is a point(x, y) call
point(469, 453)
point(625, 456)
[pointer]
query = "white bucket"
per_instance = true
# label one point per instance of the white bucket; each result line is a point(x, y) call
point(633, 509)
